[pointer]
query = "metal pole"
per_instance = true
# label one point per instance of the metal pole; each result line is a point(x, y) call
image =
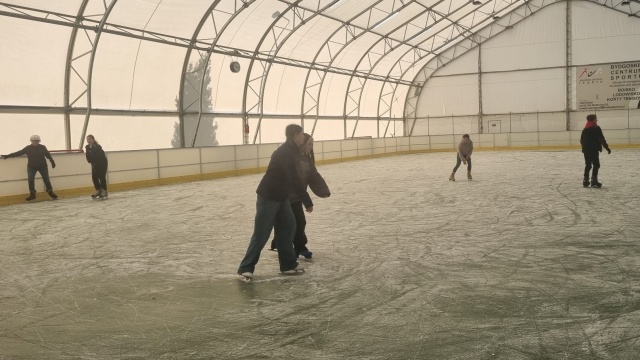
point(568, 92)
point(480, 125)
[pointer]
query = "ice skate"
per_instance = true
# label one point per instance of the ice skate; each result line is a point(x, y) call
point(31, 197)
point(245, 276)
point(452, 177)
point(469, 177)
point(103, 194)
point(585, 181)
point(307, 254)
point(595, 183)
point(298, 270)
point(52, 194)
point(97, 194)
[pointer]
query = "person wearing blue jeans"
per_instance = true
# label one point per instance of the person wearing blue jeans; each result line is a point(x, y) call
point(273, 210)
point(36, 163)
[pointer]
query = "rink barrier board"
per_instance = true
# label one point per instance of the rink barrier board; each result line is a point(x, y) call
point(130, 185)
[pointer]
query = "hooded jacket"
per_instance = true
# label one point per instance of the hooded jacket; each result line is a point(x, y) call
point(592, 139)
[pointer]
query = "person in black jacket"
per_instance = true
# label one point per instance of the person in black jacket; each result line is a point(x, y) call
point(306, 167)
point(36, 163)
point(273, 210)
point(99, 164)
point(592, 141)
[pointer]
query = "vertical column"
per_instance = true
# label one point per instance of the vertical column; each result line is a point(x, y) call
point(480, 126)
point(568, 92)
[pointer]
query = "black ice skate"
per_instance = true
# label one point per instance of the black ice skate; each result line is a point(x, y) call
point(452, 177)
point(104, 194)
point(595, 183)
point(97, 194)
point(31, 197)
point(585, 181)
point(246, 276)
point(52, 194)
point(298, 270)
point(469, 175)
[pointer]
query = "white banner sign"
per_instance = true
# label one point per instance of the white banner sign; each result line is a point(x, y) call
point(612, 86)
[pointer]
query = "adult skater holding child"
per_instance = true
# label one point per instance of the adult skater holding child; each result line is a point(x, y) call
point(99, 164)
point(592, 141)
point(273, 210)
point(465, 148)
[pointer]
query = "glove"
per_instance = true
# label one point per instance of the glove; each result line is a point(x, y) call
point(608, 151)
point(53, 165)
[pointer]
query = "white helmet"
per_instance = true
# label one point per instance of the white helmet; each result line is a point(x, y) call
point(34, 138)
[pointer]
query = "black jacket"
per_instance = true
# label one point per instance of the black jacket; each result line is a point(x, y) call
point(306, 166)
point(36, 156)
point(592, 139)
point(282, 176)
point(96, 156)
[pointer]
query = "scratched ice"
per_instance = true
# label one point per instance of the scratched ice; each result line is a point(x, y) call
point(520, 263)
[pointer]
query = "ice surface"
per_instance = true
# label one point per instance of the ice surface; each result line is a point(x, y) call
point(520, 263)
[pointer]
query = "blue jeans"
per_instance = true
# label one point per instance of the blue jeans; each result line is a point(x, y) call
point(44, 172)
point(276, 215)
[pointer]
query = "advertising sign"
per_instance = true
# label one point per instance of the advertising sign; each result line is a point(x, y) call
point(611, 86)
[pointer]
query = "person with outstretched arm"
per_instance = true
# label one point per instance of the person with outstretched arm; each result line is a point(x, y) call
point(36, 163)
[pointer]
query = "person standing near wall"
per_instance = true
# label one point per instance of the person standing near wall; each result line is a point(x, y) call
point(36, 163)
point(306, 166)
point(273, 210)
point(592, 140)
point(99, 164)
point(465, 149)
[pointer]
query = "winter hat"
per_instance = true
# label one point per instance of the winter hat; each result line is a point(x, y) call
point(34, 138)
point(592, 117)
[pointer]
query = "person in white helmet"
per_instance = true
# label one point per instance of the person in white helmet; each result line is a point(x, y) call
point(36, 163)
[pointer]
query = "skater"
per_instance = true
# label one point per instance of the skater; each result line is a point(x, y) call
point(592, 141)
point(36, 163)
point(273, 210)
point(306, 166)
point(99, 164)
point(465, 148)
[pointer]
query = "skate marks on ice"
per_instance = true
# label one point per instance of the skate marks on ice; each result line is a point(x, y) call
point(520, 263)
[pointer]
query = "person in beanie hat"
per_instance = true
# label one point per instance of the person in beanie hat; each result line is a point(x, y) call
point(592, 141)
point(465, 149)
point(273, 210)
point(36, 163)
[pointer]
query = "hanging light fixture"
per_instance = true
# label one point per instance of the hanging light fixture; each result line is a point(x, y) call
point(625, 2)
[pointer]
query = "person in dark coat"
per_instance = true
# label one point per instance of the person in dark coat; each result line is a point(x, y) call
point(273, 210)
point(99, 164)
point(36, 163)
point(592, 141)
point(306, 167)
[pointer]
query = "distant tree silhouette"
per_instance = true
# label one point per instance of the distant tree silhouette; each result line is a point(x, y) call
point(207, 129)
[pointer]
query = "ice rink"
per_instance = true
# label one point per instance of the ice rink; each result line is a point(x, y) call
point(520, 263)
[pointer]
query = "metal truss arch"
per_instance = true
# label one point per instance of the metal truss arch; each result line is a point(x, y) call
point(239, 6)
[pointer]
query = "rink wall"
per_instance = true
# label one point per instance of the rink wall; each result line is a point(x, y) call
point(143, 168)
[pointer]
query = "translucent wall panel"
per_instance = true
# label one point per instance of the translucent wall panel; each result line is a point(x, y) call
point(116, 133)
point(305, 43)
point(18, 128)
point(227, 87)
point(386, 64)
point(61, 6)
point(364, 128)
point(349, 57)
point(538, 41)
point(133, 74)
point(601, 35)
point(465, 64)
point(172, 17)
point(370, 98)
point(271, 130)
point(524, 91)
point(229, 131)
point(326, 129)
point(333, 94)
point(247, 29)
point(283, 91)
point(32, 62)
point(391, 128)
point(452, 95)
point(397, 105)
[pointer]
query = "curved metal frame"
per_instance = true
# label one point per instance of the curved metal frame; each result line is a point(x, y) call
point(468, 43)
point(263, 79)
point(96, 39)
point(67, 74)
point(209, 13)
point(354, 37)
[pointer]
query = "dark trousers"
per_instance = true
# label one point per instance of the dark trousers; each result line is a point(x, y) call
point(31, 178)
point(591, 160)
point(300, 238)
point(458, 162)
point(99, 177)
